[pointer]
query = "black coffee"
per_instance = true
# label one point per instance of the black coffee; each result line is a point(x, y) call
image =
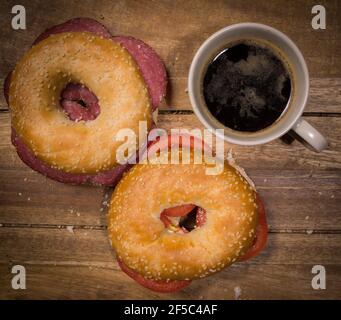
point(246, 86)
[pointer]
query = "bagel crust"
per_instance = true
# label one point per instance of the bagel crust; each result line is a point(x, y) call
point(144, 244)
point(103, 66)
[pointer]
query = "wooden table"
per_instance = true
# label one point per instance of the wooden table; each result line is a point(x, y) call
point(58, 232)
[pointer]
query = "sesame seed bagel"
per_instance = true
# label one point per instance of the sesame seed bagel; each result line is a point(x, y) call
point(146, 246)
point(107, 70)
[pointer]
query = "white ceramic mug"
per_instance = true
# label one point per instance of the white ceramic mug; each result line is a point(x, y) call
point(291, 117)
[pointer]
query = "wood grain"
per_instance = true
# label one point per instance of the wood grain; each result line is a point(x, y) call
point(300, 188)
point(48, 246)
point(325, 96)
point(274, 155)
point(297, 200)
point(277, 154)
point(302, 183)
point(179, 28)
point(176, 28)
point(255, 281)
point(63, 268)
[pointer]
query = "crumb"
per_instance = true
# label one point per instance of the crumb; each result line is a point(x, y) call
point(25, 179)
point(310, 231)
point(28, 199)
point(70, 229)
point(306, 218)
point(101, 16)
point(1, 225)
point(176, 58)
point(265, 180)
point(19, 194)
point(101, 209)
point(225, 290)
point(320, 193)
point(237, 292)
point(71, 210)
point(201, 297)
point(332, 196)
point(78, 214)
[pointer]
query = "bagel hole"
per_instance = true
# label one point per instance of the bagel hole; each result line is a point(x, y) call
point(194, 219)
point(189, 221)
point(79, 102)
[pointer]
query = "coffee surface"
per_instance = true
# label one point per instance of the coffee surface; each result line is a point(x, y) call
point(247, 87)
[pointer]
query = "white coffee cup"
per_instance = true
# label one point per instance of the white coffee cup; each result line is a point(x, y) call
point(291, 117)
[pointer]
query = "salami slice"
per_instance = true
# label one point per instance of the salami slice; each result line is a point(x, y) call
point(76, 25)
point(161, 286)
point(106, 178)
point(151, 66)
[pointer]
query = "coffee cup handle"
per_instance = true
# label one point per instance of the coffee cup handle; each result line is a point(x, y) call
point(307, 132)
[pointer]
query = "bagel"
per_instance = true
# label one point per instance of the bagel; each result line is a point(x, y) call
point(107, 69)
point(120, 80)
point(148, 232)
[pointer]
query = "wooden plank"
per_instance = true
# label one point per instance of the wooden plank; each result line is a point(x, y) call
point(274, 155)
point(296, 200)
point(301, 188)
point(255, 282)
point(82, 265)
point(325, 95)
point(88, 247)
point(176, 29)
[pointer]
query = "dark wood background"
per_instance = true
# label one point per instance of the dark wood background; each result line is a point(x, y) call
point(301, 188)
